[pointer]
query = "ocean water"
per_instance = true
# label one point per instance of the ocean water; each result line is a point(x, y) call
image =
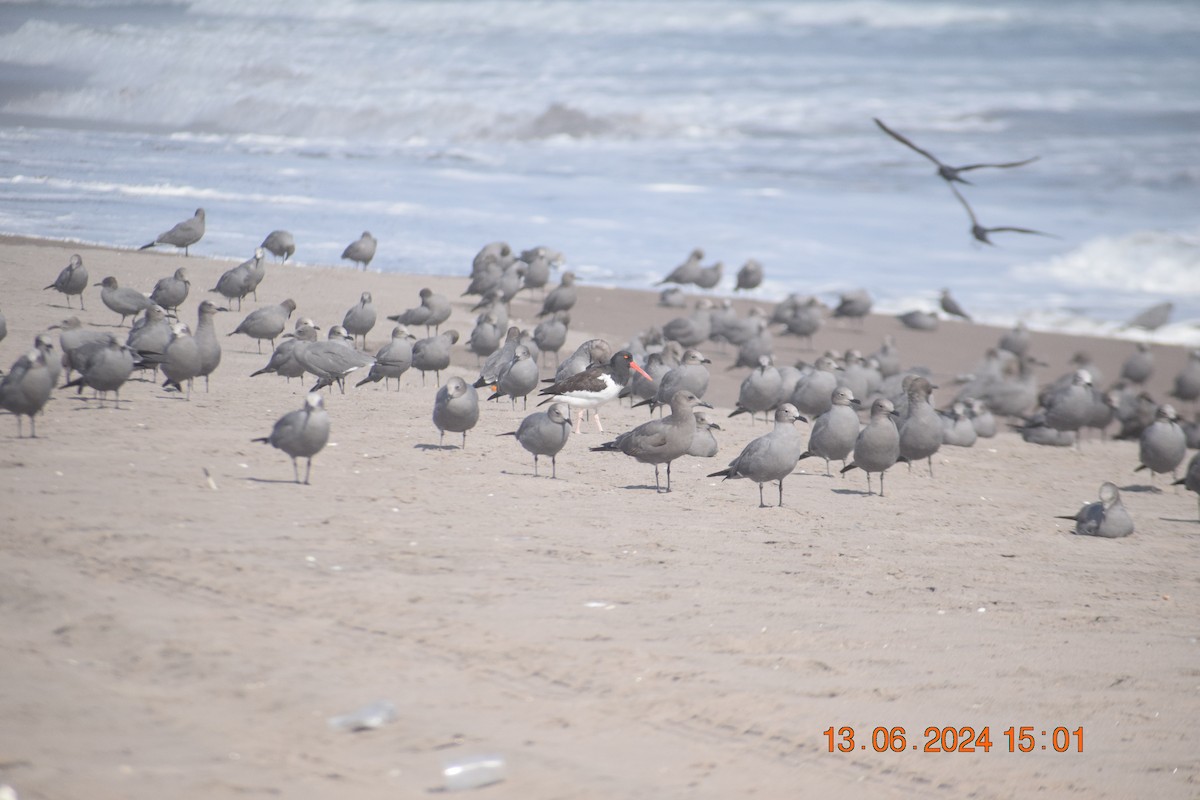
point(627, 133)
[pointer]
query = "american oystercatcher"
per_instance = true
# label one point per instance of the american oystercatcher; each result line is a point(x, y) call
point(593, 387)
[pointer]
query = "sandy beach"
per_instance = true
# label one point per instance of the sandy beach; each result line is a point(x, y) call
point(180, 619)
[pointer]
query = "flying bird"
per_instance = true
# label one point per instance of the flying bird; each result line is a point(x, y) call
point(981, 233)
point(945, 171)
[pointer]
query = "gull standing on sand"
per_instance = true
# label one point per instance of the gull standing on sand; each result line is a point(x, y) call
point(691, 374)
point(1163, 445)
point(750, 276)
point(761, 390)
point(951, 306)
point(485, 280)
point(693, 330)
point(646, 388)
point(332, 360)
point(877, 448)
point(499, 253)
point(1191, 480)
point(485, 336)
point(957, 428)
point(283, 360)
point(805, 319)
point(859, 376)
point(722, 316)
point(1069, 408)
point(1139, 366)
point(455, 409)
point(739, 330)
point(280, 244)
point(255, 269)
point(1187, 382)
point(1039, 433)
point(672, 297)
point(72, 280)
point(709, 277)
point(301, 434)
point(170, 292)
point(919, 320)
point(362, 250)
point(887, 358)
point(834, 432)
point(149, 337)
point(982, 419)
point(854, 304)
point(753, 349)
point(433, 354)
point(594, 386)
point(1011, 395)
point(686, 272)
point(184, 234)
point(360, 319)
point(945, 171)
point(432, 312)
point(489, 373)
point(1015, 341)
point(661, 441)
point(545, 433)
point(770, 457)
point(786, 307)
point(537, 273)
point(704, 441)
point(813, 392)
point(266, 323)
point(182, 361)
point(234, 284)
point(562, 297)
point(517, 378)
point(28, 384)
point(921, 429)
point(392, 360)
point(124, 301)
point(103, 366)
point(1106, 518)
point(206, 340)
point(73, 338)
point(590, 353)
point(512, 280)
point(551, 334)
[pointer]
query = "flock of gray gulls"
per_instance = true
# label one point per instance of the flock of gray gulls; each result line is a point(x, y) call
point(662, 368)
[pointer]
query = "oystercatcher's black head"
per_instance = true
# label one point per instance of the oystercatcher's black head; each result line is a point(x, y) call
point(622, 363)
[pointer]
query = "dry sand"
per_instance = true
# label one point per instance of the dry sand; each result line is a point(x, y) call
point(164, 637)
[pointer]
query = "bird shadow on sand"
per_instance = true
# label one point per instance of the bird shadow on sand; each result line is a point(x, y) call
point(274, 480)
point(1142, 487)
point(92, 405)
point(644, 486)
point(1184, 521)
point(437, 447)
point(859, 492)
point(526, 474)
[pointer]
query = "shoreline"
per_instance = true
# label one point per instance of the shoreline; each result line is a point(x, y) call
point(1175, 334)
point(182, 619)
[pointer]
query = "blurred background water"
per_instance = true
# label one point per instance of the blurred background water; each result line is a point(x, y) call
point(627, 133)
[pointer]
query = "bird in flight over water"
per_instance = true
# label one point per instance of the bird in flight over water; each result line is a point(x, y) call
point(981, 233)
point(948, 173)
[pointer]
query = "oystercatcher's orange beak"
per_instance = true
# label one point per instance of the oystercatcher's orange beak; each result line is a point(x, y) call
point(634, 366)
